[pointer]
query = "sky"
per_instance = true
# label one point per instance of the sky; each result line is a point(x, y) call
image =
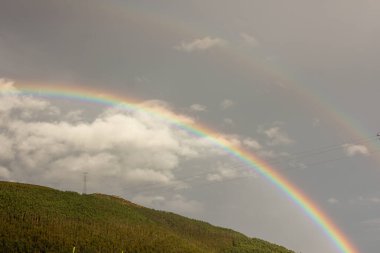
point(293, 82)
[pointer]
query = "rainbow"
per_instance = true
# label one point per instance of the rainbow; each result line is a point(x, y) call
point(295, 83)
point(261, 167)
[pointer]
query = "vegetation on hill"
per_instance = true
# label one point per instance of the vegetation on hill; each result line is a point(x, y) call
point(40, 219)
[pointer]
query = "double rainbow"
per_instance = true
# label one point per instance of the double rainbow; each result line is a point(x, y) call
point(260, 166)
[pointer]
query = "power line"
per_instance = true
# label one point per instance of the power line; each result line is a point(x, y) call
point(320, 150)
point(292, 157)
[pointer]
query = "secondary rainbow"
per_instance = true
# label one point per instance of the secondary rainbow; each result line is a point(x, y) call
point(260, 166)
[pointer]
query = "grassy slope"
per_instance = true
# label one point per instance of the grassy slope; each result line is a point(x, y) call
point(41, 219)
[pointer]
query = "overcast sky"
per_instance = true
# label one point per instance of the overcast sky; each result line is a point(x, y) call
point(294, 82)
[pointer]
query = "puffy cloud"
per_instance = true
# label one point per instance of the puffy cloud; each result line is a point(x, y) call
point(355, 149)
point(132, 147)
point(276, 136)
point(122, 150)
point(249, 39)
point(201, 44)
point(228, 171)
point(222, 173)
point(113, 142)
point(251, 143)
point(11, 102)
point(198, 108)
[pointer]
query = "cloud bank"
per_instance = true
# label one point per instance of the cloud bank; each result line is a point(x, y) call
point(117, 148)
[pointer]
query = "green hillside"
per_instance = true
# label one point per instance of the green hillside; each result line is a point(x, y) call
point(40, 219)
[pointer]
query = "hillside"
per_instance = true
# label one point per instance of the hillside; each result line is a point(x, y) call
point(40, 219)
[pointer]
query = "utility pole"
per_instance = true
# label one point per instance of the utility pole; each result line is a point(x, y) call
point(84, 182)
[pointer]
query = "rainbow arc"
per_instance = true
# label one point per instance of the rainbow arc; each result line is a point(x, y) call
point(261, 167)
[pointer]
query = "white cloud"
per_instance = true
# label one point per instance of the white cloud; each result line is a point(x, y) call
point(24, 106)
point(249, 39)
point(117, 147)
point(228, 171)
point(227, 103)
point(222, 173)
point(201, 44)
point(276, 136)
point(198, 108)
point(251, 143)
point(354, 149)
point(137, 142)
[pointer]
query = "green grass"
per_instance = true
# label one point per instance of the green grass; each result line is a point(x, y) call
point(40, 219)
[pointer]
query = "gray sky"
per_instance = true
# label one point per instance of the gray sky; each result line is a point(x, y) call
point(277, 77)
